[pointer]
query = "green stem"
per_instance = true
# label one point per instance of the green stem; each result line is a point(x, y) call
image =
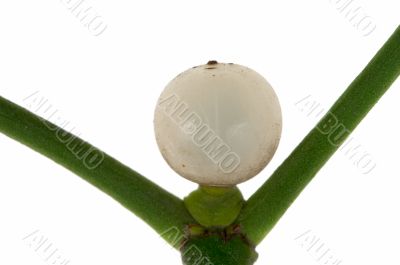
point(265, 207)
point(161, 210)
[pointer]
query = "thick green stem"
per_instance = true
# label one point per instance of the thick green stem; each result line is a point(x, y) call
point(161, 210)
point(264, 208)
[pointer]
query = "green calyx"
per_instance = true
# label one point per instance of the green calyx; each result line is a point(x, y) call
point(214, 206)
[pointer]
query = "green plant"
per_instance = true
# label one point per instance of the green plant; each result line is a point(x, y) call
point(234, 243)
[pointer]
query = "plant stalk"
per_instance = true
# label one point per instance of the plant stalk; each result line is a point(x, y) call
point(160, 209)
point(266, 206)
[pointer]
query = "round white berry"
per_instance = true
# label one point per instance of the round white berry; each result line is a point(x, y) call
point(218, 124)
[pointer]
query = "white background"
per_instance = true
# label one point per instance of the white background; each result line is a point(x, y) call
point(107, 87)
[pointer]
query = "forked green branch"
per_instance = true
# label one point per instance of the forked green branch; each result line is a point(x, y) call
point(165, 212)
point(265, 207)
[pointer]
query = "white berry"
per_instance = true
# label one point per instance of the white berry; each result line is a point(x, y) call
point(218, 124)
